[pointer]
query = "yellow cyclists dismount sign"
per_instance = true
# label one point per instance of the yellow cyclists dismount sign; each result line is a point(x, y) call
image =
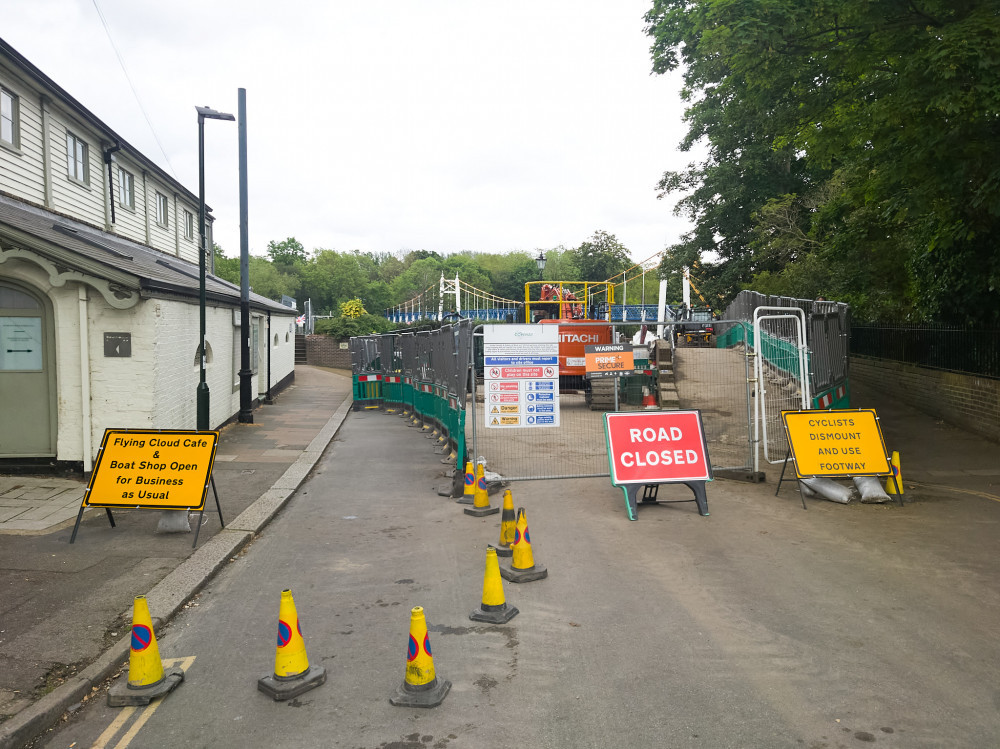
point(840, 443)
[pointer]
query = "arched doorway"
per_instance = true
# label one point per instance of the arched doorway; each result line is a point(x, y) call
point(27, 374)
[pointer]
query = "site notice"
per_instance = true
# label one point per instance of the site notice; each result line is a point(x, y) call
point(521, 376)
point(156, 469)
point(836, 443)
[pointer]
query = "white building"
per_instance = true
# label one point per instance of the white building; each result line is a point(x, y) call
point(99, 296)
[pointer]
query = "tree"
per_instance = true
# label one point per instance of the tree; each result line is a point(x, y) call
point(287, 252)
point(601, 257)
point(873, 125)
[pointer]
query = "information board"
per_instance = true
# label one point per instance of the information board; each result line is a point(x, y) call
point(521, 376)
point(842, 443)
point(155, 469)
point(609, 360)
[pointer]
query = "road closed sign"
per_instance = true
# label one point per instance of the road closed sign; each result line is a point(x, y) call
point(161, 469)
point(836, 443)
point(656, 447)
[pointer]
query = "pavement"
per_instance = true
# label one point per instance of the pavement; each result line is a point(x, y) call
point(66, 611)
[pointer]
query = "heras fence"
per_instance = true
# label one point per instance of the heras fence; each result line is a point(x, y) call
point(740, 374)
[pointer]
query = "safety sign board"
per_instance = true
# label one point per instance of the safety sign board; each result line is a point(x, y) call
point(156, 469)
point(609, 360)
point(521, 373)
point(836, 443)
point(656, 447)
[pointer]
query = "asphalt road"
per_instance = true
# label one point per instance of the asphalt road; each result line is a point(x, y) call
point(762, 625)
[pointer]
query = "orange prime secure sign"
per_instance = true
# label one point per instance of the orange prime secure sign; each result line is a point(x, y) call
point(156, 469)
point(609, 359)
point(836, 443)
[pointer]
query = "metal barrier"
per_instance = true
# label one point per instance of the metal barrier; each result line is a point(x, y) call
point(827, 329)
point(713, 379)
point(422, 376)
point(428, 377)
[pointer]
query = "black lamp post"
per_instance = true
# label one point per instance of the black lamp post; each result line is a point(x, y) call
point(204, 113)
point(540, 262)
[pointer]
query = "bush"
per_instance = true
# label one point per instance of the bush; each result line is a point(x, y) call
point(343, 328)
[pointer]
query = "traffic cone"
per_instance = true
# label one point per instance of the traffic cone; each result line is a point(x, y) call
point(420, 687)
point(481, 502)
point(146, 678)
point(523, 568)
point(890, 485)
point(648, 399)
point(494, 608)
point(507, 526)
point(469, 493)
point(292, 673)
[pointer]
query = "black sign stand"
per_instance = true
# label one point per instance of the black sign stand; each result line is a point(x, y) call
point(201, 513)
point(649, 496)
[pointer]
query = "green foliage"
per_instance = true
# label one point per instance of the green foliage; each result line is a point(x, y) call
point(343, 328)
point(287, 252)
point(352, 308)
point(857, 140)
point(601, 257)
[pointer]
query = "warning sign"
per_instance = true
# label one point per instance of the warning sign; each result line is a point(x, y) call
point(160, 470)
point(609, 360)
point(836, 443)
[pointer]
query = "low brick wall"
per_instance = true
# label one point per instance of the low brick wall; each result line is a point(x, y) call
point(966, 401)
point(324, 351)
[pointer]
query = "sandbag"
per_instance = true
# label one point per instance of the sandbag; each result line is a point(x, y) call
point(871, 490)
point(829, 489)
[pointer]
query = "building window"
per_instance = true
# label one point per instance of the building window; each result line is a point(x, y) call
point(9, 118)
point(188, 224)
point(77, 157)
point(161, 209)
point(126, 189)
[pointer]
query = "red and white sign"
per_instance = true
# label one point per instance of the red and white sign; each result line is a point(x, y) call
point(656, 447)
point(505, 398)
point(532, 372)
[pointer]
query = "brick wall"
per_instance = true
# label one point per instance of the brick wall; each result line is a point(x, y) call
point(324, 351)
point(967, 401)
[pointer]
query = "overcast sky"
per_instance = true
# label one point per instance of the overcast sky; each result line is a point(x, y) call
point(441, 125)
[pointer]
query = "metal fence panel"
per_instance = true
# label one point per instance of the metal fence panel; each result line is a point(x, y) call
point(712, 378)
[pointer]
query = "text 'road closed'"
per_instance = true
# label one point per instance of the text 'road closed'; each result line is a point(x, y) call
point(656, 447)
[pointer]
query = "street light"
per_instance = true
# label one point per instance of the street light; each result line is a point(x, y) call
point(204, 113)
point(540, 262)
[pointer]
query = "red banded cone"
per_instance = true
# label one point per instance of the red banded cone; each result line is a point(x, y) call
point(507, 526)
point(147, 679)
point(494, 608)
point(481, 502)
point(469, 492)
point(292, 673)
point(420, 687)
point(523, 568)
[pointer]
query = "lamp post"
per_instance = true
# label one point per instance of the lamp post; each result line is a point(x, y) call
point(540, 262)
point(204, 113)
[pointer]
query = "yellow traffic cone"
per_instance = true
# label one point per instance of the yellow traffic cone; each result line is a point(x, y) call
point(420, 687)
point(890, 485)
point(469, 493)
point(146, 678)
point(507, 526)
point(523, 568)
point(481, 503)
point(292, 673)
point(494, 608)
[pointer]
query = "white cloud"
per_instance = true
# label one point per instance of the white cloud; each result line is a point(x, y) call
point(439, 125)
